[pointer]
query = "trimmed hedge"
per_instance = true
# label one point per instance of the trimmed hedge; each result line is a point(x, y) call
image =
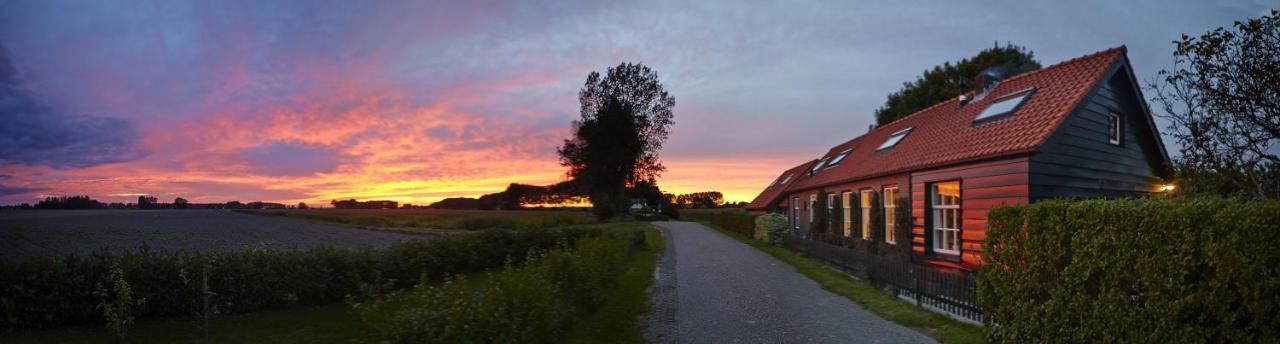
point(46, 292)
point(535, 303)
point(1137, 270)
point(736, 221)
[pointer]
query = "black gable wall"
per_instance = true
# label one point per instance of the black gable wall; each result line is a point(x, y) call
point(1077, 161)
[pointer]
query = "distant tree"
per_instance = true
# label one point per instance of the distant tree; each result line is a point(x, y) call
point(180, 203)
point(234, 205)
point(72, 202)
point(704, 199)
point(648, 191)
point(950, 80)
point(302, 205)
point(147, 202)
point(1222, 100)
point(626, 116)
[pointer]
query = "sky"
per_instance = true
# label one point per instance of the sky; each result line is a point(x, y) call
point(310, 101)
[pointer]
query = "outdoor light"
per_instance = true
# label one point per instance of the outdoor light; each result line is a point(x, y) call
point(1167, 187)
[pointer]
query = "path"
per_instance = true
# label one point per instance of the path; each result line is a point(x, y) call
point(714, 289)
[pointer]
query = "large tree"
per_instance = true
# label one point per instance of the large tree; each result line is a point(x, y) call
point(949, 80)
point(626, 116)
point(1222, 98)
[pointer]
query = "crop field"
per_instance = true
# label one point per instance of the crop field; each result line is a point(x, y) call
point(429, 220)
point(61, 232)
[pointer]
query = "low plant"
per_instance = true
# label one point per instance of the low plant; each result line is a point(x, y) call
point(771, 227)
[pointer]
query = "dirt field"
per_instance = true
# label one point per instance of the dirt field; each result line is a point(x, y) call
point(61, 232)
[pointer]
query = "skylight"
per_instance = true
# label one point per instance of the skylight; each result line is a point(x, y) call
point(783, 180)
point(894, 139)
point(1004, 106)
point(818, 166)
point(839, 157)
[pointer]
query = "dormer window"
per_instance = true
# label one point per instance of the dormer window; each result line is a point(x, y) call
point(894, 139)
point(1004, 106)
point(839, 157)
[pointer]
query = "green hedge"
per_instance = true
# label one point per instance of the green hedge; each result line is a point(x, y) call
point(45, 292)
point(736, 221)
point(535, 303)
point(1138, 270)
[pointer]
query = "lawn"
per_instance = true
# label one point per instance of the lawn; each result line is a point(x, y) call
point(884, 304)
point(428, 220)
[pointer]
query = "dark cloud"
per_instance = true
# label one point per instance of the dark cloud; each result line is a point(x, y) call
point(17, 190)
point(33, 132)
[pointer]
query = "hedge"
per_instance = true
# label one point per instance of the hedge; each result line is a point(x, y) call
point(1138, 270)
point(45, 292)
point(731, 220)
point(535, 303)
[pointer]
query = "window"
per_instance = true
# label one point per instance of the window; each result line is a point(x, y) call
point(945, 202)
point(795, 213)
point(818, 166)
point(1005, 105)
point(813, 199)
point(839, 157)
point(781, 180)
point(1113, 128)
point(866, 213)
point(890, 213)
point(894, 139)
point(847, 197)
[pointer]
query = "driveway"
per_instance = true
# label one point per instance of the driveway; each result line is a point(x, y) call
point(714, 289)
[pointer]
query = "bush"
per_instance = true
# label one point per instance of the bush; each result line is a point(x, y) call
point(529, 304)
point(45, 292)
point(1137, 270)
point(771, 227)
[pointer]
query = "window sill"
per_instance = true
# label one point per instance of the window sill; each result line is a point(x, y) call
point(954, 258)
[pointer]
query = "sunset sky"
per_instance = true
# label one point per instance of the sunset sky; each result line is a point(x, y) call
point(311, 101)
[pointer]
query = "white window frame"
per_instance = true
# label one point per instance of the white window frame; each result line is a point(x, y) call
point(864, 202)
point(817, 167)
point(1004, 105)
point(847, 197)
point(813, 199)
point(795, 213)
point(831, 209)
point(895, 139)
point(839, 157)
point(1115, 128)
point(890, 214)
point(940, 211)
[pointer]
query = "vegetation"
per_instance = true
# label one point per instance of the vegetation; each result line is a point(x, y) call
point(1220, 99)
point(325, 324)
point(626, 116)
point(950, 80)
point(616, 320)
point(1136, 270)
point(73, 202)
point(734, 220)
point(878, 301)
point(705, 199)
point(409, 219)
point(770, 228)
point(66, 290)
point(536, 302)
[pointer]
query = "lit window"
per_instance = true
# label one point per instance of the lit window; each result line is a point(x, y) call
point(795, 213)
point(1006, 105)
point(836, 160)
point(890, 213)
point(945, 202)
point(866, 214)
point(1113, 128)
point(813, 199)
point(894, 139)
point(848, 213)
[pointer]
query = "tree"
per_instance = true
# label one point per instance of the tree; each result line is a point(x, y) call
point(1222, 98)
point(146, 202)
point(704, 199)
point(303, 205)
point(180, 203)
point(626, 117)
point(950, 80)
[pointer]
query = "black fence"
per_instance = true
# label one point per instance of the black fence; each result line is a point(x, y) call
point(953, 292)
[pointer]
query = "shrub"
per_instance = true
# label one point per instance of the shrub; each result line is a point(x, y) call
point(529, 304)
point(44, 292)
point(1137, 270)
point(736, 221)
point(771, 227)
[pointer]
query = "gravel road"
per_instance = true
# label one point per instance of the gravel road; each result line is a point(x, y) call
point(728, 292)
point(60, 232)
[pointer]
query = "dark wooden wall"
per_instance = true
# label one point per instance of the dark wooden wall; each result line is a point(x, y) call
point(983, 186)
point(1077, 161)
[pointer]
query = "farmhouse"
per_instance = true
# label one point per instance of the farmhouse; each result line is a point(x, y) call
point(1077, 129)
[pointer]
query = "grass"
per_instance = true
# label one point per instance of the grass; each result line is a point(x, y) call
point(325, 324)
point(878, 301)
point(620, 319)
point(427, 220)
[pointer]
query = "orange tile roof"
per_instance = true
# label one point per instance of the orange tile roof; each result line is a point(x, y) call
point(772, 192)
point(945, 134)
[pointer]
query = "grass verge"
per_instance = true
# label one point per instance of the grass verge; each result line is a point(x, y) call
point(324, 324)
point(878, 301)
point(620, 319)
